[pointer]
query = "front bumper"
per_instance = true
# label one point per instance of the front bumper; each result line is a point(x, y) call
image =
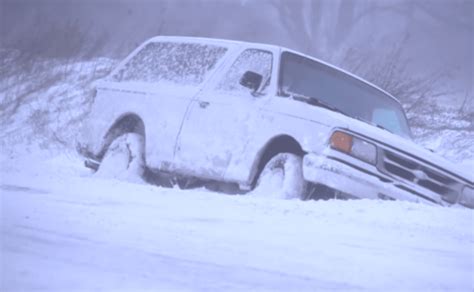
point(362, 180)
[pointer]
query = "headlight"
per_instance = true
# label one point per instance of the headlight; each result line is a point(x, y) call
point(354, 146)
point(467, 198)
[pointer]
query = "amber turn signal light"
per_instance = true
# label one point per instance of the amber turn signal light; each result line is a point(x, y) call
point(341, 141)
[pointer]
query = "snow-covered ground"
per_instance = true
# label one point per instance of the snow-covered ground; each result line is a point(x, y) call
point(64, 229)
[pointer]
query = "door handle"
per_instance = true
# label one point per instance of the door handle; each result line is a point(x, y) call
point(203, 104)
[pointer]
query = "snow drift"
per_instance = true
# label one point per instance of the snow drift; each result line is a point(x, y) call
point(64, 229)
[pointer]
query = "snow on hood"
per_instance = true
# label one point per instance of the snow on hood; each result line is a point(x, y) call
point(408, 146)
point(381, 136)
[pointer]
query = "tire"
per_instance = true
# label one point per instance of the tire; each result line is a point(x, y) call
point(124, 158)
point(281, 178)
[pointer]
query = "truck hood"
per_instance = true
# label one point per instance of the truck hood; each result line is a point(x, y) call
point(379, 136)
point(393, 141)
point(406, 146)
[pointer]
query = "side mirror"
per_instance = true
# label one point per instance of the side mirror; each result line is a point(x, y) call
point(251, 80)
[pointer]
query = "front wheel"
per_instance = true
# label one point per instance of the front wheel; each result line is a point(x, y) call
point(282, 178)
point(124, 158)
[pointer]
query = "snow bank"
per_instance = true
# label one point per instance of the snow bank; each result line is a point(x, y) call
point(64, 229)
point(44, 106)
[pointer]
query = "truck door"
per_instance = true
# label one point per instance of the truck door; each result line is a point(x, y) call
point(223, 117)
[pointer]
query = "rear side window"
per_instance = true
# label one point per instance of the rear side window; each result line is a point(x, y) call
point(181, 63)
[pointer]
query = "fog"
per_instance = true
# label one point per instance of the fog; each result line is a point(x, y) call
point(432, 37)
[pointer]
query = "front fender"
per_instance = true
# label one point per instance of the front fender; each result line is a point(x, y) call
point(311, 136)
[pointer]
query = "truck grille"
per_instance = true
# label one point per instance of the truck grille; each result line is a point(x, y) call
point(421, 174)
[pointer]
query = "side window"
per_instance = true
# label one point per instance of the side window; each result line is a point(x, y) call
point(254, 60)
point(169, 62)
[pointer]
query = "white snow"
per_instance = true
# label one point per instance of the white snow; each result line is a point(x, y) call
point(64, 229)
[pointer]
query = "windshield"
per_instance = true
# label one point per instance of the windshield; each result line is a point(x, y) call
point(300, 76)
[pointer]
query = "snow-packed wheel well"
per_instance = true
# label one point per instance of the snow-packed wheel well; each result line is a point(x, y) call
point(279, 144)
point(127, 123)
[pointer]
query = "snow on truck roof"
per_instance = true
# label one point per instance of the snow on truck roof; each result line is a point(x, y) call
point(227, 42)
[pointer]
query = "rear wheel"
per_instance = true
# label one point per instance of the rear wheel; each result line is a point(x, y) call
point(124, 158)
point(282, 178)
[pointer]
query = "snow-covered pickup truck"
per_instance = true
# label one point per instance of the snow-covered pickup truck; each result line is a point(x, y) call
point(265, 118)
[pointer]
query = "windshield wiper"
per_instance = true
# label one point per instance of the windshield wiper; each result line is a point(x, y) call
point(373, 124)
point(318, 102)
point(314, 101)
point(381, 127)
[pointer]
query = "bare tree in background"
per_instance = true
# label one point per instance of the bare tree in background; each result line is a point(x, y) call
point(335, 31)
point(332, 31)
point(312, 24)
point(388, 70)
